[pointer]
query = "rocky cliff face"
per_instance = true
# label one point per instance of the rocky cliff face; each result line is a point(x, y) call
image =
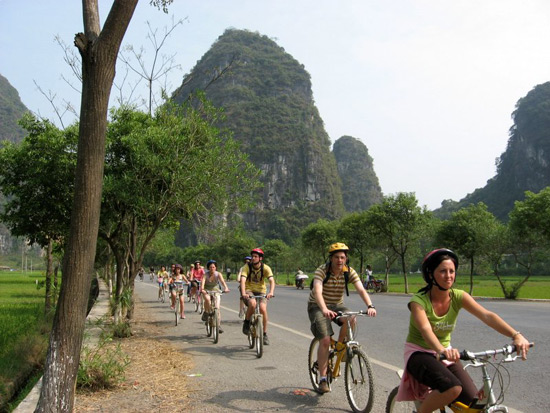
point(267, 98)
point(11, 110)
point(360, 186)
point(524, 166)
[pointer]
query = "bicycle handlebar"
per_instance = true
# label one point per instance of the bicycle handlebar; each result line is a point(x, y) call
point(466, 355)
point(348, 313)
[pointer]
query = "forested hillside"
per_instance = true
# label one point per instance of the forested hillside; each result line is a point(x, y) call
point(525, 164)
point(268, 102)
point(11, 110)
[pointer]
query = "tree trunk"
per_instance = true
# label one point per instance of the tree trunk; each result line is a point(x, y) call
point(405, 277)
point(49, 273)
point(99, 55)
point(471, 275)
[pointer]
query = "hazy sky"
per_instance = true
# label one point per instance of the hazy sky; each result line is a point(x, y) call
point(428, 85)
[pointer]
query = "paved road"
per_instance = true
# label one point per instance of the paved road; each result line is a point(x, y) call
point(234, 380)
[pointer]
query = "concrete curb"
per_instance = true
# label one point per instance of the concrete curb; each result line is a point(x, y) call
point(92, 331)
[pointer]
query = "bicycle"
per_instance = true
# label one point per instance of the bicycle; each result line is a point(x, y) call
point(489, 402)
point(358, 378)
point(199, 305)
point(162, 292)
point(178, 287)
point(374, 286)
point(256, 332)
point(213, 320)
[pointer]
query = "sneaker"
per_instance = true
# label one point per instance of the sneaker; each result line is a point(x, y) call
point(266, 340)
point(204, 316)
point(323, 386)
point(220, 330)
point(241, 314)
point(246, 327)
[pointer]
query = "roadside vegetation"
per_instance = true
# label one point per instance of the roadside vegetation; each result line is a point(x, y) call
point(24, 332)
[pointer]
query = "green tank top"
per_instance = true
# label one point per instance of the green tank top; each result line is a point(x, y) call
point(442, 326)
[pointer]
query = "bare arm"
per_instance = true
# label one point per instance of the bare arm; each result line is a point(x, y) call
point(494, 321)
point(365, 297)
point(271, 287)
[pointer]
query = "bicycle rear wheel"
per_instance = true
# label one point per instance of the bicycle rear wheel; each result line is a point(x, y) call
point(359, 381)
point(163, 295)
point(393, 406)
point(216, 325)
point(259, 336)
point(197, 304)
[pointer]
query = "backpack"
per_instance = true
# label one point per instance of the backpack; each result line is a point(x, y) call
point(327, 276)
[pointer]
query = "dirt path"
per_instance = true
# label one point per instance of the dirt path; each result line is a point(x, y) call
point(150, 385)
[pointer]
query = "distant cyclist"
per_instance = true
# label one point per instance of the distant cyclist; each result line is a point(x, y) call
point(327, 299)
point(241, 301)
point(211, 282)
point(177, 296)
point(162, 277)
point(253, 278)
point(197, 272)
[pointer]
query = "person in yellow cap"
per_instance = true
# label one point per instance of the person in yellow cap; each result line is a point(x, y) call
point(327, 298)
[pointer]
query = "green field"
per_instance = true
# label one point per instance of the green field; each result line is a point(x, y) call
point(24, 330)
point(537, 287)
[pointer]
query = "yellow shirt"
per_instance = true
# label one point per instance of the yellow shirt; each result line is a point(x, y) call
point(255, 282)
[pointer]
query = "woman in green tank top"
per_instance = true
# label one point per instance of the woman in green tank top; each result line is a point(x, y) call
point(434, 310)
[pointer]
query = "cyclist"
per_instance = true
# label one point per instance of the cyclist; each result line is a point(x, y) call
point(253, 277)
point(210, 282)
point(433, 313)
point(189, 277)
point(197, 272)
point(177, 276)
point(241, 301)
point(327, 299)
point(162, 276)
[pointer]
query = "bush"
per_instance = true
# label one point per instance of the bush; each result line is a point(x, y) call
point(122, 330)
point(102, 367)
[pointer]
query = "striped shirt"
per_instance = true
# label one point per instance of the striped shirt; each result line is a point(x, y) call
point(333, 289)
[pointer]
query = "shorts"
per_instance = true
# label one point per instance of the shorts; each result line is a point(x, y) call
point(321, 326)
point(425, 368)
point(249, 293)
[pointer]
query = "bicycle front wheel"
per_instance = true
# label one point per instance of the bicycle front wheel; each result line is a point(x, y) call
point(359, 381)
point(259, 336)
point(393, 406)
point(176, 305)
point(216, 325)
point(312, 367)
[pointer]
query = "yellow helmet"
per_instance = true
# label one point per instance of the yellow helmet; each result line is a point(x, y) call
point(338, 246)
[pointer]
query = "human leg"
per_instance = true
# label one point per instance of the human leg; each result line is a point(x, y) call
point(426, 369)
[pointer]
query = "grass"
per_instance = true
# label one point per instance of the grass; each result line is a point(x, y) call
point(537, 287)
point(23, 336)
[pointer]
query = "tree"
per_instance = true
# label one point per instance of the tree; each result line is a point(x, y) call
point(98, 49)
point(399, 223)
point(39, 172)
point(468, 232)
point(355, 231)
point(529, 232)
point(152, 177)
point(497, 245)
point(317, 237)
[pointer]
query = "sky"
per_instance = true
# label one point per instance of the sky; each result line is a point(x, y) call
point(429, 86)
